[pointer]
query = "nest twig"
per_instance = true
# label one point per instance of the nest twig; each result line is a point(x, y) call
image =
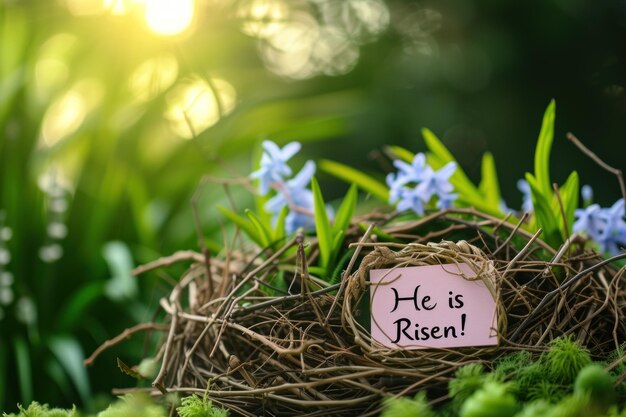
point(306, 353)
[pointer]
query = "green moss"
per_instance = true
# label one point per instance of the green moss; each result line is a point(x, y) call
point(408, 407)
point(597, 382)
point(576, 405)
point(528, 377)
point(134, 406)
point(494, 399)
point(37, 410)
point(195, 406)
point(510, 365)
point(546, 390)
point(535, 409)
point(564, 360)
point(619, 369)
point(467, 380)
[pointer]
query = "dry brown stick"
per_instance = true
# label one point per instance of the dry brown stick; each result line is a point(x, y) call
point(174, 297)
point(550, 296)
point(247, 278)
point(123, 336)
point(280, 300)
point(179, 256)
point(512, 234)
point(617, 172)
point(521, 253)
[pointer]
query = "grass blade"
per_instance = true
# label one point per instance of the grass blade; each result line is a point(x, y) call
point(279, 230)
point(542, 152)
point(569, 195)
point(346, 211)
point(400, 153)
point(242, 223)
point(263, 231)
point(489, 185)
point(442, 156)
point(544, 213)
point(351, 175)
point(70, 356)
point(24, 371)
point(322, 225)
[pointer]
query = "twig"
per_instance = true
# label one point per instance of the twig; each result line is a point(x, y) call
point(180, 256)
point(123, 336)
point(552, 294)
point(617, 172)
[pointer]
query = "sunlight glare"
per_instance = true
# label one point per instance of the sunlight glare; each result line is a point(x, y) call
point(194, 106)
point(153, 77)
point(169, 17)
point(262, 18)
point(85, 7)
point(63, 118)
point(67, 113)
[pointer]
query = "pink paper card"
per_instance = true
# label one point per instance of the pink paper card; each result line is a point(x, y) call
point(431, 306)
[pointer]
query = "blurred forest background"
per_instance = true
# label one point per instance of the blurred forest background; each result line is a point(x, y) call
point(112, 111)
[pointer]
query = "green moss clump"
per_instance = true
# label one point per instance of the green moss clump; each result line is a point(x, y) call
point(564, 360)
point(408, 407)
point(535, 409)
point(509, 366)
point(576, 405)
point(195, 406)
point(467, 380)
point(494, 399)
point(597, 382)
point(527, 378)
point(546, 390)
point(133, 406)
point(37, 410)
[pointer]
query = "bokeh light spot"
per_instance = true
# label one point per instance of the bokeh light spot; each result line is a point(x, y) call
point(262, 18)
point(67, 113)
point(195, 105)
point(169, 17)
point(85, 7)
point(153, 77)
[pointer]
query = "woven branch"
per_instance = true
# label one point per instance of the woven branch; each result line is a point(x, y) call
point(256, 353)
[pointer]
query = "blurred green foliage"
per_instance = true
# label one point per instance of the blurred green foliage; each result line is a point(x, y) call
point(106, 128)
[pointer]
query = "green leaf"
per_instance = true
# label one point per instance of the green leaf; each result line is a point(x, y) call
point(24, 372)
point(3, 374)
point(259, 200)
point(380, 234)
point(351, 175)
point(279, 231)
point(263, 230)
point(544, 213)
point(346, 211)
point(79, 303)
point(489, 181)
point(569, 196)
point(322, 225)
point(70, 355)
point(542, 152)
point(337, 241)
point(443, 156)
point(400, 153)
point(122, 285)
point(242, 223)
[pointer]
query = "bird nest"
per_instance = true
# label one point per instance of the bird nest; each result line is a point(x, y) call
point(231, 335)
